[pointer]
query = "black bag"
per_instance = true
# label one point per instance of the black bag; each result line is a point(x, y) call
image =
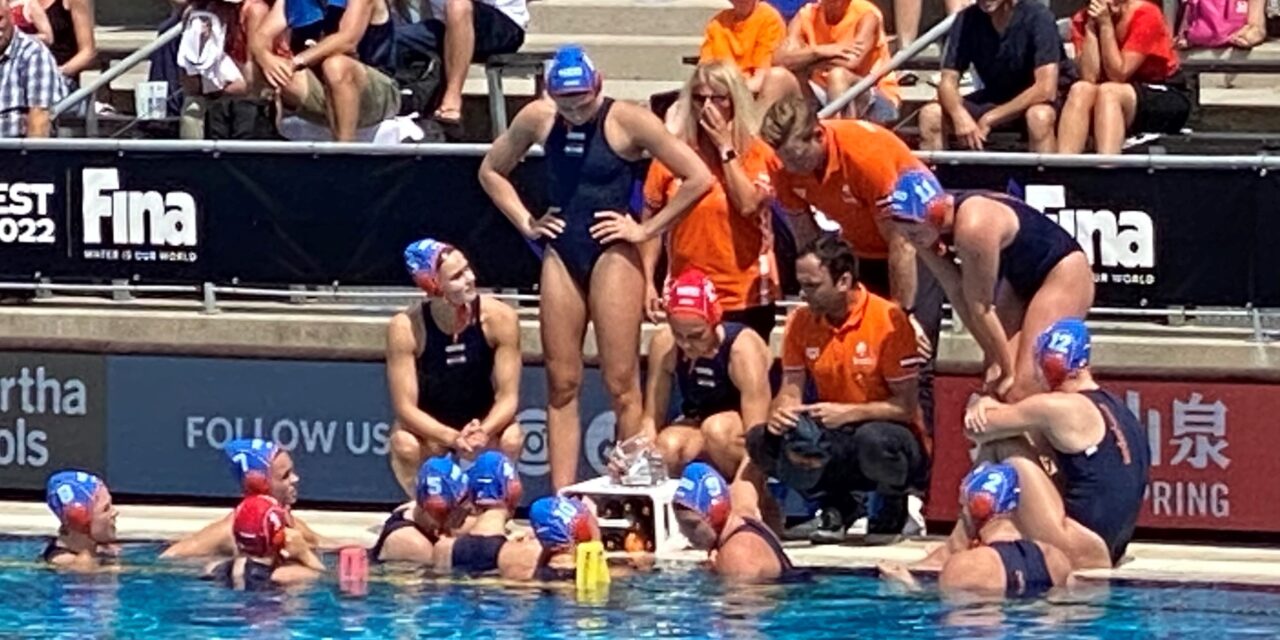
point(420, 80)
point(228, 118)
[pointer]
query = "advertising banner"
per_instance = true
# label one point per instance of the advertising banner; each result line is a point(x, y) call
point(1212, 452)
point(52, 416)
point(170, 418)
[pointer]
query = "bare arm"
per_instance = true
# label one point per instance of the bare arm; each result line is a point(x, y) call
point(294, 574)
point(86, 49)
point(860, 42)
point(803, 227)
point(978, 246)
point(1117, 65)
point(903, 279)
point(1088, 58)
point(39, 19)
point(949, 93)
point(749, 369)
point(213, 540)
point(989, 419)
point(657, 387)
point(791, 391)
point(402, 382)
point(648, 133)
point(900, 407)
point(793, 54)
point(355, 20)
point(1042, 91)
point(265, 33)
point(746, 195)
point(507, 362)
point(38, 123)
point(527, 129)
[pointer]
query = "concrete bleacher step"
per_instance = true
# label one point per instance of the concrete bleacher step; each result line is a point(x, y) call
point(622, 17)
point(629, 57)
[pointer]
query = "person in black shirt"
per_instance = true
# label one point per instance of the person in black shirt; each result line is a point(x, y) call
point(1018, 56)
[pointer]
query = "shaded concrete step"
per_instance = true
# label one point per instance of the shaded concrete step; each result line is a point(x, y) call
point(627, 57)
point(623, 17)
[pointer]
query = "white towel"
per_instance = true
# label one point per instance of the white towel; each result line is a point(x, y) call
point(390, 131)
point(202, 52)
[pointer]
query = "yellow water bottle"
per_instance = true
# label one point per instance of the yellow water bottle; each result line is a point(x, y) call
point(592, 571)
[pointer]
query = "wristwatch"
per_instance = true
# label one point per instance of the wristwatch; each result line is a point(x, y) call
point(728, 155)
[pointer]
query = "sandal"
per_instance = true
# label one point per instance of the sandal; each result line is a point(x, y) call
point(448, 117)
point(1248, 37)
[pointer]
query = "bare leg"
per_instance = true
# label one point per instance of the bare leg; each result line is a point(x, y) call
point(1254, 32)
point(344, 79)
point(1041, 516)
point(1041, 121)
point(1112, 115)
point(679, 445)
point(1067, 292)
point(1077, 115)
point(906, 21)
point(933, 128)
point(562, 354)
point(459, 47)
point(725, 441)
point(510, 442)
point(778, 83)
point(839, 81)
point(616, 307)
point(407, 454)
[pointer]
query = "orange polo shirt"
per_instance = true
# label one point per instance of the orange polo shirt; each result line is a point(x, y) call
point(815, 30)
point(748, 42)
point(864, 161)
point(735, 252)
point(855, 362)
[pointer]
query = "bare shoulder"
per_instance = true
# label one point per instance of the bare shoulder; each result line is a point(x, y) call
point(534, 120)
point(500, 320)
point(405, 329)
point(747, 558)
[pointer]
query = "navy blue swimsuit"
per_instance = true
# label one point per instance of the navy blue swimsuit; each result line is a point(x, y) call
point(751, 526)
point(1037, 248)
point(1026, 573)
point(1105, 483)
point(398, 519)
point(455, 377)
point(257, 576)
point(477, 554)
point(585, 175)
point(705, 384)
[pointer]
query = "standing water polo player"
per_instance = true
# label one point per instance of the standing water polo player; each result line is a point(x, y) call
point(725, 520)
point(723, 375)
point(591, 264)
point(260, 467)
point(1101, 449)
point(87, 521)
point(453, 366)
point(1002, 562)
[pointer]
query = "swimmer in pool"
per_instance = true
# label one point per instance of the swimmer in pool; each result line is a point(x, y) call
point(440, 507)
point(261, 468)
point(1100, 448)
point(1002, 561)
point(494, 490)
point(559, 524)
point(268, 551)
point(453, 366)
point(725, 520)
point(591, 269)
point(1008, 270)
point(722, 372)
point(87, 517)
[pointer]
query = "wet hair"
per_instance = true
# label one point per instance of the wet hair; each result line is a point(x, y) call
point(834, 254)
point(787, 120)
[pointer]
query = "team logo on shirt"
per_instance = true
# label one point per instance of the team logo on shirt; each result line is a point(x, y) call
point(811, 353)
point(847, 195)
point(862, 355)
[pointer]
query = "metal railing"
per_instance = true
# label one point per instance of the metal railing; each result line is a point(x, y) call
point(929, 37)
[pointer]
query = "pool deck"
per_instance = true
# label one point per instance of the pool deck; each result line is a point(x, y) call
point(1163, 563)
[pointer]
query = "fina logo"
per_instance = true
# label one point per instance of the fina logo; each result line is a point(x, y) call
point(1123, 240)
point(136, 217)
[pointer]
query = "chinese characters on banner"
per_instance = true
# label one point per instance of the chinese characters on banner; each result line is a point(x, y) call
point(1215, 451)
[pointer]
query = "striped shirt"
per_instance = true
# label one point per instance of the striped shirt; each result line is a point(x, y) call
point(29, 78)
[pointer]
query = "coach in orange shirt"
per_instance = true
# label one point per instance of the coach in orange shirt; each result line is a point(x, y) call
point(864, 433)
point(748, 34)
point(831, 45)
point(729, 232)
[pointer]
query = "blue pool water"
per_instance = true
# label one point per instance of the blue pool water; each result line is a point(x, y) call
point(150, 599)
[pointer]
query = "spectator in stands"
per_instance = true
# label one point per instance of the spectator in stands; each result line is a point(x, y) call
point(1130, 77)
point(464, 31)
point(1015, 49)
point(72, 24)
point(29, 17)
point(749, 35)
point(906, 18)
point(831, 45)
point(729, 233)
point(29, 82)
point(339, 74)
point(864, 433)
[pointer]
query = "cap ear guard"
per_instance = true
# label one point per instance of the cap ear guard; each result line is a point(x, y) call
point(917, 196)
point(1063, 349)
point(70, 495)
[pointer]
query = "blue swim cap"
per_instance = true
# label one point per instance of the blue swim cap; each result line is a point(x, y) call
point(989, 490)
point(1062, 350)
point(558, 521)
point(917, 197)
point(422, 259)
point(493, 481)
point(251, 463)
point(70, 497)
point(571, 71)
point(704, 490)
point(442, 486)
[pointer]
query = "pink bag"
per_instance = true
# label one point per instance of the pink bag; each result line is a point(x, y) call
point(1211, 23)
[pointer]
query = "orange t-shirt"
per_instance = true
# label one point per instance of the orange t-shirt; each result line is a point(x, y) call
point(864, 161)
point(855, 362)
point(734, 251)
point(749, 42)
point(815, 30)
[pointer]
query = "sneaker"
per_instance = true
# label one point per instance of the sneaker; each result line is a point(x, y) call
point(915, 527)
point(831, 528)
point(888, 521)
point(803, 530)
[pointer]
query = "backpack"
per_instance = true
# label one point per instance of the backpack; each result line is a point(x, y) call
point(1211, 23)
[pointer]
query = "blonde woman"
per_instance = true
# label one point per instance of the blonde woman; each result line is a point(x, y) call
point(728, 234)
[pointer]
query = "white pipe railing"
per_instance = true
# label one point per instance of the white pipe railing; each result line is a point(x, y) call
point(115, 71)
point(929, 37)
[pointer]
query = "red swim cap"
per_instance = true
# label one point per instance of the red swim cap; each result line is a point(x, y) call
point(692, 293)
point(259, 526)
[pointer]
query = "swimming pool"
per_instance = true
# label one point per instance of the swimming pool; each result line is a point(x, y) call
point(159, 600)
